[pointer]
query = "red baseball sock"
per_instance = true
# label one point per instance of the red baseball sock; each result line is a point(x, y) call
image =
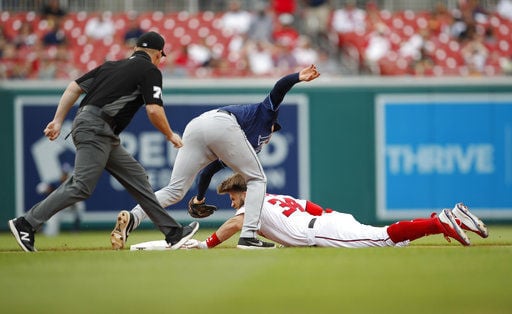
point(413, 229)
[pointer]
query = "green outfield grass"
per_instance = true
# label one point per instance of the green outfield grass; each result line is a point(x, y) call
point(78, 273)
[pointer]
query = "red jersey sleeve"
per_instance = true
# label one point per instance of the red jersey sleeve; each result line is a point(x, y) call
point(314, 209)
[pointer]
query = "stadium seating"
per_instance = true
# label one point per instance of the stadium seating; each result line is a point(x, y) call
point(182, 28)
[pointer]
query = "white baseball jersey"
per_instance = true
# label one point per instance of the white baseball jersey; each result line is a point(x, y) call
point(286, 220)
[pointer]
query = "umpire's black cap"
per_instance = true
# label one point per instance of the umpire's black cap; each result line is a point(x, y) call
point(152, 40)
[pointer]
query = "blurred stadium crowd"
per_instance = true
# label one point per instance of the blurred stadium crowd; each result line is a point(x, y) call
point(262, 38)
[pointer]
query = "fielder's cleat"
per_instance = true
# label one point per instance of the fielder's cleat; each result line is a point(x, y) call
point(124, 226)
point(253, 243)
point(451, 229)
point(186, 233)
point(24, 233)
point(469, 221)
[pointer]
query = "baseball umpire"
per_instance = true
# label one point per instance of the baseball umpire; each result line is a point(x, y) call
point(114, 92)
point(233, 134)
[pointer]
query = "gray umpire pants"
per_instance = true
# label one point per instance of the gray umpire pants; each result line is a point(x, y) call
point(211, 136)
point(98, 148)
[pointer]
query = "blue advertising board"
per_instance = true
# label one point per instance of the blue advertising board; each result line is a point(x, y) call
point(435, 150)
point(40, 161)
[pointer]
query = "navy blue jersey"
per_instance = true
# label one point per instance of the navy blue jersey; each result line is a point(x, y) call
point(256, 120)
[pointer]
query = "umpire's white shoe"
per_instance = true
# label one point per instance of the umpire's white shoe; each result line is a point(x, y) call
point(451, 229)
point(124, 226)
point(469, 221)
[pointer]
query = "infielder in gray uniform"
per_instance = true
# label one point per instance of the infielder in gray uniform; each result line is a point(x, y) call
point(115, 91)
point(233, 134)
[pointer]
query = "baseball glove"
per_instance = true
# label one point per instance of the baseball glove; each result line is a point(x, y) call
point(200, 210)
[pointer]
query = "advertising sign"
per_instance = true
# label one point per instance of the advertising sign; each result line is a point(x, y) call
point(41, 162)
point(435, 150)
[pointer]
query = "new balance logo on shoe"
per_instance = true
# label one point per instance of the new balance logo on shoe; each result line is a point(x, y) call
point(25, 236)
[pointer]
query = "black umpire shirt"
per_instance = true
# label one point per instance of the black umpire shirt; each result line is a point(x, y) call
point(120, 88)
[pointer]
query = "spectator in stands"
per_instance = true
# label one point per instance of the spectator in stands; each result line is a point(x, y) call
point(16, 66)
point(411, 49)
point(66, 69)
point(56, 35)
point(26, 36)
point(284, 7)
point(3, 40)
point(475, 54)
point(463, 25)
point(316, 22)
point(179, 63)
point(327, 64)
point(349, 18)
point(504, 9)
point(373, 16)
point(236, 20)
point(100, 27)
point(506, 65)
point(475, 9)
point(378, 46)
point(133, 30)
point(283, 60)
point(262, 23)
point(260, 58)
point(469, 14)
point(48, 69)
point(285, 33)
point(440, 19)
point(8, 51)
point(304, 52)
point(424, 65)
point(52, 10)
point(201, 55)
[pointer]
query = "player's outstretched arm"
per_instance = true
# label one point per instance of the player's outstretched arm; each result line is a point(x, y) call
point(284, 84)
point(226, 231)
point(308, 74)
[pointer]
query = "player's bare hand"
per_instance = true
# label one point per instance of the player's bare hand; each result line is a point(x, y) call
point(308, 74)
point(176, 140)
point(194, 244)
point(52, 130)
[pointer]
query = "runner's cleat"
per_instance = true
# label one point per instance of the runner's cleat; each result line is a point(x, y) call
point(124, 226)
point(468, 221)
point(451, 229)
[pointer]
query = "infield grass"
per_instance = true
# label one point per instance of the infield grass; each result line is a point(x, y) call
point(78, 273)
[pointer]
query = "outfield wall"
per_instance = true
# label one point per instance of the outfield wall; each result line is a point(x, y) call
point(379, 148)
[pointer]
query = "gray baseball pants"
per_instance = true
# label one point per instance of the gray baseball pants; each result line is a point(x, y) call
point(98, 148)
point(211, 136)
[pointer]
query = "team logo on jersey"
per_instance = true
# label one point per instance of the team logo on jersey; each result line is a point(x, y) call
point(262, 140)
